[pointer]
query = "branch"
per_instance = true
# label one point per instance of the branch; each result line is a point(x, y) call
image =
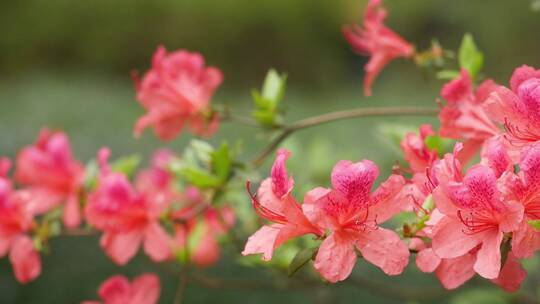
point(287, 130)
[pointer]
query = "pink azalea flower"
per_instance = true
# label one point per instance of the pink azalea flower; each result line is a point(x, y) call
point(376, 40)
point(525, 188)
point(52, 175)
point(16, 219)
point(144, 289)
point(454, 272)
point(464, 116)
point(352, 213)
point(415, 151)
point(275, 203)
point(199, 234)
point(126, 216)
point(156, 181)
point(476, 214)
point(518, 107)
point(176, 93)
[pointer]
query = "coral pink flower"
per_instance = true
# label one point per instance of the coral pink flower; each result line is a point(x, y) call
point(454, 272)
point(352, 214)
point(476, 215)
point(117, 289)
point(518, 107)
point(126, 217)
point(176, 92)
point(275, 203)
point(525, 188)
point(15, 221)
point(377, 41)
point(464, 116)
point(415, 151)
point(420, 159)
point(51, 175)
point(198, 234)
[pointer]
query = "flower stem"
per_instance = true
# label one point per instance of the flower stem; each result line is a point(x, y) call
point(289, 129)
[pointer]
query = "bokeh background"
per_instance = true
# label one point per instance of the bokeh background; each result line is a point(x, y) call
point(66, 64)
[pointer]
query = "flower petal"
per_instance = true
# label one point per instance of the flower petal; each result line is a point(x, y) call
point(454, 272)
point(145, 289)
point(427, 260)
point(488, 262)
point(384, 249)
point(157, 243)
point(336, 257)
point(121, 246)
point(450, 241)
point(354, 180)
point(25, 260)
point(115, 290)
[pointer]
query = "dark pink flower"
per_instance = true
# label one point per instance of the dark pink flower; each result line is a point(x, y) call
point(352, 213)
point(176, 93)
point(144, 289)
point(197, 232)
point(464, 117)
point(128, 218)
point(518, 107)
point(16, 219)
point(51, 175)
point(275, 203)
point(476, 214)
point(376, 40)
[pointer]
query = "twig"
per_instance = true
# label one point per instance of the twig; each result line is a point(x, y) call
point(287, 130)
point(182, 284)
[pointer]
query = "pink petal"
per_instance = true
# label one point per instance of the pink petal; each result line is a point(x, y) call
point(354, 180)
point(115, 290)
point(156, 243)
point(336, 257)
point(495, 156)
point(525, 241)
point(450, 241)
point(312, 207)
point(454, 272)
point(522, 74)
point(207, 251)
point(384, 249)
point(443, 203)
point(145, 289)
point(281, 183)
point(427, 260)
point(263, 241)
point(512, 275)
point(121, 246)
point(72, 212)
point(458, 89)
point(488, 262)
point(386, 200)
point(511, 217)
point(25, 260)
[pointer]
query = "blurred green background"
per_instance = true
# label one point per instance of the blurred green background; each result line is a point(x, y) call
point(66, 64)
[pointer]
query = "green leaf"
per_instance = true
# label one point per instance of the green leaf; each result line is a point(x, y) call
point(535, 224)
point(447, 74)
point(439, 144)
point(126, 164)
point(470, 58)
point(274, 86)
point(222, 161)
point(201, 178)
point(301, 258)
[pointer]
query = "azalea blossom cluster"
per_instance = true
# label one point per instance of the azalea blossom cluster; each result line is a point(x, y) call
point(476, 205)
point(49, 185)
point(478, 208)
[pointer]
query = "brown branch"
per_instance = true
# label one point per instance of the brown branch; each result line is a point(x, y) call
point(287, 130)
